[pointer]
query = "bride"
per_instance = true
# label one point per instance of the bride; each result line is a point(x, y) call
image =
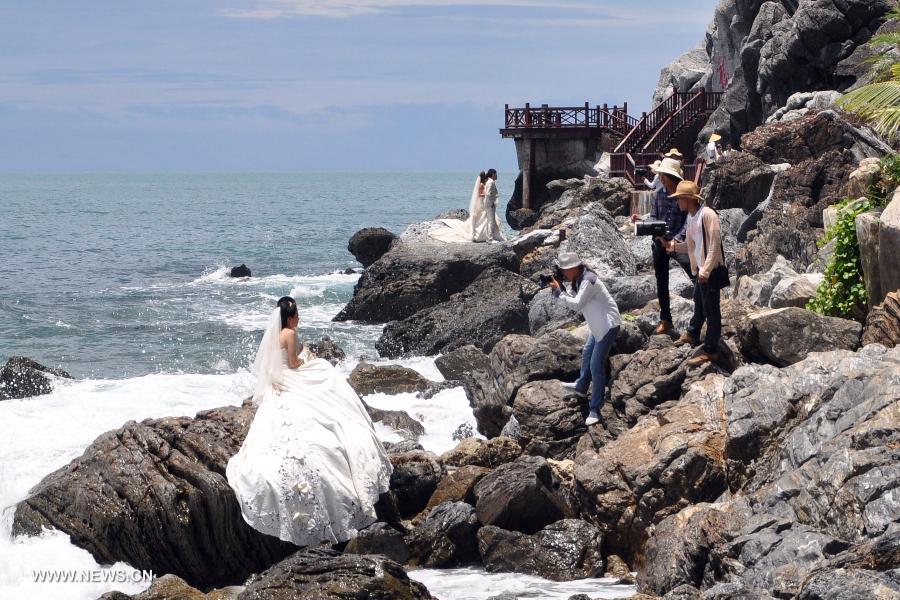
point(483, 225)
point(311, 467)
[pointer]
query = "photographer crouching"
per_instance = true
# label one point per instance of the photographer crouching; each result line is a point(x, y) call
point(591, 298)
point(665, 208)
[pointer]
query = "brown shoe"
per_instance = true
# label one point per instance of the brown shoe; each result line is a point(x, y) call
point(686, 339)
point(663, 328)
point(701, 358)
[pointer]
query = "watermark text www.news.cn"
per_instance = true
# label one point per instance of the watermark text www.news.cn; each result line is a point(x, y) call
point(92, 576)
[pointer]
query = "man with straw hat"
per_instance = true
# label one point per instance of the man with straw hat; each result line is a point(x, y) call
point(665, 208)
point(674, 153)
point(712, 151)
point(703, 244)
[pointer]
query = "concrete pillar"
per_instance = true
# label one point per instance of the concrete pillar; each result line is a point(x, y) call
point(526, 176)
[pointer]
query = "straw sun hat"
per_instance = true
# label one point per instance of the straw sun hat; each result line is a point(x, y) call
point(670, 166)
point(687, 189)
point(568, 260)
point(674, 153)
point(654, 166)
point(715, 137)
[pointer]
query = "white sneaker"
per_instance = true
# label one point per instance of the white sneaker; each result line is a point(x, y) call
point(569, 386)
point(591, 420)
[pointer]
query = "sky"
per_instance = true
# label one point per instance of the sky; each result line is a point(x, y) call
point(313, 85)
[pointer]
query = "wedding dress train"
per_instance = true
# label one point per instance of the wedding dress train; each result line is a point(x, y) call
point(311, 467)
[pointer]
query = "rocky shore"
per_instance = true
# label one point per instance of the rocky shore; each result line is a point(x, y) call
point(772, 473)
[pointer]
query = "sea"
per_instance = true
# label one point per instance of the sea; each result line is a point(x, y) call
point(122, 280)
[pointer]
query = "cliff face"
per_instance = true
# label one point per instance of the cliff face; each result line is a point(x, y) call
point(762, 52)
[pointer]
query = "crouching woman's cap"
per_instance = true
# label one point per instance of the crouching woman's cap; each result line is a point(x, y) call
point(568, 260)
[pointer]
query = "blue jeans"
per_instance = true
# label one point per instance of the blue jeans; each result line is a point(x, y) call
point(593, 367)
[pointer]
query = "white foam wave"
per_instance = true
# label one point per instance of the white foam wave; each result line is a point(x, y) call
point(477, 584)
point(221, 275)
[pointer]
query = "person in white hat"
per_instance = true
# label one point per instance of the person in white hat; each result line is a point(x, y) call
point(666, 209)
point(712, 151)
point(593, 300)
point(657, 182)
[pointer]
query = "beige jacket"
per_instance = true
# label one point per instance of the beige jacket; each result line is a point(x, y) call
point(712, 233)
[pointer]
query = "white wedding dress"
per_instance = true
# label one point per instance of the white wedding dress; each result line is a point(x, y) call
point(476, 228)
point(311, 467)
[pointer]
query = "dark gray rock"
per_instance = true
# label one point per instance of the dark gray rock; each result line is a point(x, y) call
point(458, 486)
point(446, 537)
point(460, 214)
point(483, 453)
point(785, 336)
point(413, 481)
point(454, 365)
point(883, 323)
point(399, 421)
point(565, 550)
point(380, 538)
point(493, 305)
point(154, 494)
point(849, 584)
point(739, 180)
point(369, 244)
point(326, 574)
point(545, 313)
point(403, 446)
point(637, 290)
point(551, 419)
point(414, 276)
point(240, 271)
point(22, 377)
point(614, 194)
point(523, 495)
point(328, 349)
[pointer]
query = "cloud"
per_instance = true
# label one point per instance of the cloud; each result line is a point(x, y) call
point(275, 9)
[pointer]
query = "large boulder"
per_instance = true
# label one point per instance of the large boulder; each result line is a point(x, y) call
point(637, 290)
point(322, 573)
point(458, 485)
point(524, 495)
point(380, 538)
point(446, 537)
point(551, 419)
point(414, 478)
point(328, 349)
point(614, 194)
point(368, 379)
point(482, 453)
point(565, 550)
point(739, 180)
point(883, 323)
point(889, 248)
point(597, 241)
point(493, 305)
point(416, 275)
point(369, 244)
point(154, 494)
point(785, 336)
point(792, 222)
point(664, 463)
point(546, 313)
point(779, 287)
point(22, 377)
point(683, 74)
point(812, 459)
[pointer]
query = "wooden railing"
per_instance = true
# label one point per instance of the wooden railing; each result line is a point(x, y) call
point(701, 104)
point(613, 118)
point(649, 122)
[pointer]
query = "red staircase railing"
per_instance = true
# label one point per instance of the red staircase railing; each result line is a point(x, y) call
point(613, 118)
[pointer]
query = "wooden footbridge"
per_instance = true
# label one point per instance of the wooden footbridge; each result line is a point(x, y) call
point(632, 143)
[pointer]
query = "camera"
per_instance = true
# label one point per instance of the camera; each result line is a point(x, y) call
point(556, 274)
point(641, 171)
point(654, 228)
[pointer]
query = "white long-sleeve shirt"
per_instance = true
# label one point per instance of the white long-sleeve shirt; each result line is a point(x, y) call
point(594, 301)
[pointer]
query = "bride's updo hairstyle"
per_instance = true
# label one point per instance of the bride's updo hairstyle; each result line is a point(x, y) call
point(483, 176)
point(288, 309)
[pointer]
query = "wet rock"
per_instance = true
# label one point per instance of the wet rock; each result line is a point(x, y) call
point(664, 463)
point(401, 447)
point(398, 420)
point(551, 419)
point(483, 453)
point(171, 586)
point(369, 379)
point(240, 271)
point(523, 495)
point(154, 494)
point(369, 244)
point(455, 364)
point(22, 377)
point(883, 323)
point(785, 336)
point(380, 538)
point(415, 477)
point(566, 550)
point(446, 537)
point(329, 575)
point(493, 305)
point(545, 313)
point(328, 349)
point(458, 486)
point(616, 568)
point(412, 276)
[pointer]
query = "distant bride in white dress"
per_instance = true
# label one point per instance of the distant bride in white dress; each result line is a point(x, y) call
point(311, 467)
point(483, 225)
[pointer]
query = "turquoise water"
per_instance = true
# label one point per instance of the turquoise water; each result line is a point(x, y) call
point(112, 276)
